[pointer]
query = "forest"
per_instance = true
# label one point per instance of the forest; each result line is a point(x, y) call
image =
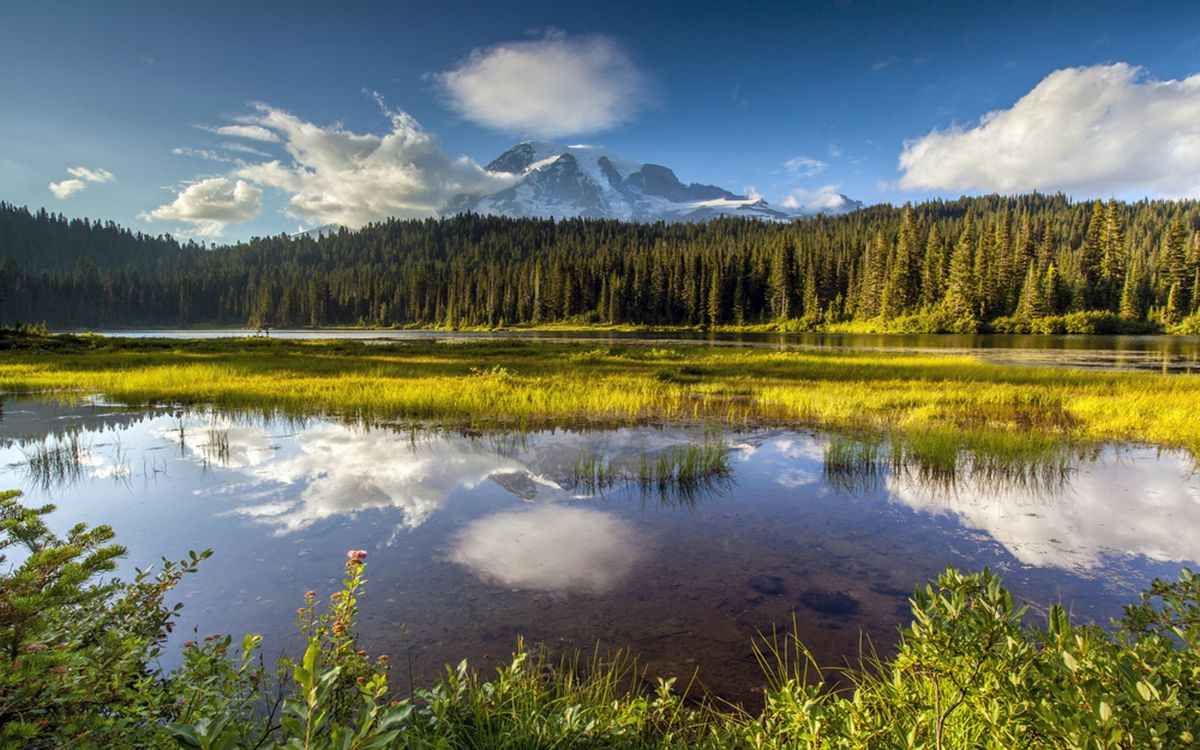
point(1032, 263)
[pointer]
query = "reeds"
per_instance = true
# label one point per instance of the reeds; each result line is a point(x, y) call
point(56, 463)
point(524, 386)
point(678, 472)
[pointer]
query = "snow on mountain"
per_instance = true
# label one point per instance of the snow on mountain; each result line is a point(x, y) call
point(566, 181)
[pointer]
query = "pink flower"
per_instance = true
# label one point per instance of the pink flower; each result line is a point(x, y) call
point(357, 554)
point(36, 647)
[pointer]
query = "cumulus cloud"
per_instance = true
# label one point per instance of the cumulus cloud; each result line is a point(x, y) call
point(245, 130)
point(826, 198)
point(210, 204)
point(67, 188)
point(547, 87)
point(1089, 130)
point(336, 176)
point(80, 177)
point(804, 166)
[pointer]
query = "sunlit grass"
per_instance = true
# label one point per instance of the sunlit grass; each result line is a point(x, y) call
point(524, 385)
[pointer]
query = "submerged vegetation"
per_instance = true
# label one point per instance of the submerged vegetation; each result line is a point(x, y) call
point(79, 667)
point(52, 463)
point(932, 402)
point(945, 459)
point(680, 471)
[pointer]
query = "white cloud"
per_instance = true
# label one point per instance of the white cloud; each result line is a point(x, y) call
point(823, 199)
point(203, 153)
point(336, 176)
point(210, 204)
point(804, 166)
point(1089, 130)
point(248, 130)
point(80, 177)
point(91, 175)
point(67, 188)
point(547, 87)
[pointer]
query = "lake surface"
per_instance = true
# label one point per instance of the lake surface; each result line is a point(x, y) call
point(474, 540)
point(1170, 354)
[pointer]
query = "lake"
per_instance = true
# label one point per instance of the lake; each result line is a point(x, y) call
point(475, 540)
point(1168, 354)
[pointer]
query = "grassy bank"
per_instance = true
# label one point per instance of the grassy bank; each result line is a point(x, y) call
point(525, 385)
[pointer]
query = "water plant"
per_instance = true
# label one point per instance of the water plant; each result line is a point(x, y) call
point(57, 462)
point(518, 386)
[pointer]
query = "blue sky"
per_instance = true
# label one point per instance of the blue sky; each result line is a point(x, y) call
point(724, 93)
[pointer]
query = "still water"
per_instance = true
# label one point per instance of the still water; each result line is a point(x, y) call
point(475, 540)
point(1168, 354)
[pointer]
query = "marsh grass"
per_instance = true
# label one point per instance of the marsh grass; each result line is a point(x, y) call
point(947, 460)
point(520, 386)
point(57, 463)
point(676, 473)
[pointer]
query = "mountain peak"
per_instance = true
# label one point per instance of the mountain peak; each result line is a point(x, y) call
point(590, 181)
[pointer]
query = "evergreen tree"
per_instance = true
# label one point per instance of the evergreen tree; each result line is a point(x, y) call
point(782, 284)
point(960, 287)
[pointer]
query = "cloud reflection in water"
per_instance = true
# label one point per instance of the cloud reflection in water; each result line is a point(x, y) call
point(550, 548)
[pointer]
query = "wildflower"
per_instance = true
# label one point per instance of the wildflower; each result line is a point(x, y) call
point(383, 657)
point(62, 646)
point(362, 652)
point(212, 637)
point(356, 557)
point(189, 644)
point(336, 595)
point(57, 670)
point(361, 680)
point(36, 647)
point(309, 594)
point(339, 627)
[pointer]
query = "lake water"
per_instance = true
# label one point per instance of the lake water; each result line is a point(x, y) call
point(1170, 354)
point(474, 540)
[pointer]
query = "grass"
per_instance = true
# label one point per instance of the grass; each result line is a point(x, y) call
point(930, 399)
point(53, 464)
point(945, 459)
point(679, 472)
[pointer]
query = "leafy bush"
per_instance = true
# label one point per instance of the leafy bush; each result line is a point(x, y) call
point(77, 650)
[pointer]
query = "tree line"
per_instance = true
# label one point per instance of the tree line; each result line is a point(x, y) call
point(981, 263)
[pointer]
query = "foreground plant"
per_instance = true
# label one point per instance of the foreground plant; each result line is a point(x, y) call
point(78, 656)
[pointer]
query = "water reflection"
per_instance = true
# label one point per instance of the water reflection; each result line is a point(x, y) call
point(331, 470)
point(551, 548)
point(476, 540)
point(1125, 506)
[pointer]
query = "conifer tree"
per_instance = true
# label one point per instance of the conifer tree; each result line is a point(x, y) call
point(960, 287)
point(782, 284)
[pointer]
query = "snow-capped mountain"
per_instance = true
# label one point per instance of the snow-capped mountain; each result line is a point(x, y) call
point(563, 181)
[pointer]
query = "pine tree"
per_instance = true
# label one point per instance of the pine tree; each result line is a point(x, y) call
point(1131, 305)
point(716, 298)
point(905, 283)
point(960, 287)
point(782, 284)
point(931, 269)
point(1091, 257)
point(1033, 298)
point(1112, 264)
point(1175, 259)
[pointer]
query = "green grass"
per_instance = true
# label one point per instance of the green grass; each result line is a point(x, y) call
point(524, 385)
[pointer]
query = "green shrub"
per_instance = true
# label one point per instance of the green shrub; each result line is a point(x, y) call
point(77, 656)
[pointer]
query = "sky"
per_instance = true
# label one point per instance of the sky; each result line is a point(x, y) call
point(221, 121)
